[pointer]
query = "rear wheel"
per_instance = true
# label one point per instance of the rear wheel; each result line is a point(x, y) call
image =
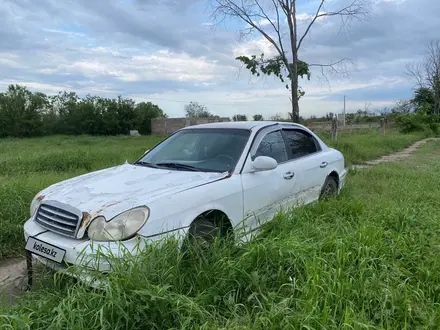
point(330, 188)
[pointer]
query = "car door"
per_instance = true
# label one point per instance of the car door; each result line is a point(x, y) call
point(266, 192)
point(309, 163)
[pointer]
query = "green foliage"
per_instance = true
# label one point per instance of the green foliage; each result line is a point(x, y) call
point(144, 113)
point(24, 114)
point(403, 106)
point(197, 110)
point(276, 66)
point(424, 99)
point(239, 117)
point(416, 122)
point(366, 260)
point(258, 117)
point(29, 165)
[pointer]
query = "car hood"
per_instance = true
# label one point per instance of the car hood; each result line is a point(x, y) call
point(111, 191)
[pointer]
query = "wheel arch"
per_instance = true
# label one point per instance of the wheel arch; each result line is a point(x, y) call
point(333, 174)
point(219, 217)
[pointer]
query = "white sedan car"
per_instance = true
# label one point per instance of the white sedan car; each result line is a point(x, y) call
point(203, 179)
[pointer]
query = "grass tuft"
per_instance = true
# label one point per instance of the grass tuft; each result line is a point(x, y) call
point(365, 260)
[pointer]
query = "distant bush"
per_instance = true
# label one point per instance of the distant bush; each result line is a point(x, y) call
point(24, 114)
point(416, 122)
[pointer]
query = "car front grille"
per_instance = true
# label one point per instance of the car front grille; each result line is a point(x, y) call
point(59, 218)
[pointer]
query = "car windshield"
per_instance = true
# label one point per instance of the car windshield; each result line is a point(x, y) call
point(210, 150)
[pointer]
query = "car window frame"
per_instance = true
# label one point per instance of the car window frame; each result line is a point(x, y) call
point(289, 150)
point(243, 154)
point(284, 141)
point(259, 136)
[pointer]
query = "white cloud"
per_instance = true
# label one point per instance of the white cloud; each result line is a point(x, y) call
point(255, 47)
point(170, 54)
point(266, 22)
point(303, 17)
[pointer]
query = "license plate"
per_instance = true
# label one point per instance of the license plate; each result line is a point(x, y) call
point(45, 250)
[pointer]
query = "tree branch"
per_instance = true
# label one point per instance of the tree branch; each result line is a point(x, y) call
point(338, 67)
point(229, 8)
point(358, 9)
point(310, 25)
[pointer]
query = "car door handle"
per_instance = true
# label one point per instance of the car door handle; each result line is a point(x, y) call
point(288, 175)
point(323, 164)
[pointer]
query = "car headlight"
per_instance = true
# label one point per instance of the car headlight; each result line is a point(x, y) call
point(122, 226)
point(34, 205)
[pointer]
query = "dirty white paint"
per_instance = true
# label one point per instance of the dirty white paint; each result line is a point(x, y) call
point(176, 198)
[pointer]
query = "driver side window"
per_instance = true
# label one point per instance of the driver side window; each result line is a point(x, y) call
point(273, 145)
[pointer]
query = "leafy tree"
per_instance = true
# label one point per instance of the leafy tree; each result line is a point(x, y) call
point(349, 118)
point(258, 117)
point(424, 100)
point(329, 115)
point(145, 111)
point(403, 106)
point(427, 76)
point(24, 113)
point(21, 112)
point(276, 117)
point(239, 118)
point(197, 110)
point(274, 20)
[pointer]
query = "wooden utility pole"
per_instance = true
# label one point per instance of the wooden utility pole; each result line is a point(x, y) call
point(343, 117)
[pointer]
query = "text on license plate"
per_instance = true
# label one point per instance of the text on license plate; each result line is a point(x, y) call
point(45, 250)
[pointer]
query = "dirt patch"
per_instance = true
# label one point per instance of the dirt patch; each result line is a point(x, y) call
point(395, 156)
point(12, 280)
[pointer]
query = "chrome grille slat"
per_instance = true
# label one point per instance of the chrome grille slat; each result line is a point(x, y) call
point(59, 218)
point(64, 214)
point(56, 230)
point(59, 221)
point(53, 224)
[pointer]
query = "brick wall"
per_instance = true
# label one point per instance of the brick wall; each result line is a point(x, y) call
point(170, 125)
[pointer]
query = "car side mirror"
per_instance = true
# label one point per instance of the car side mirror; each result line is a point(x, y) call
point(264, 163)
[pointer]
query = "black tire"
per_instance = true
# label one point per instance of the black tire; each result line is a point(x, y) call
point(204, 232)
point(329, 189)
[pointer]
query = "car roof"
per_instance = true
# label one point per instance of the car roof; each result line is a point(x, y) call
point(250, 125)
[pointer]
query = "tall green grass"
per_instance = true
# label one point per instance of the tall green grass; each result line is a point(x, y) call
point(29, 165)
point(366, 260)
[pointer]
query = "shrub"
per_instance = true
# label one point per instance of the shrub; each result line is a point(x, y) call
point(417, 122)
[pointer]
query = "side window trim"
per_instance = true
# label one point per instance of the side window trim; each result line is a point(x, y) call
point(261, 138)
point(289, 151)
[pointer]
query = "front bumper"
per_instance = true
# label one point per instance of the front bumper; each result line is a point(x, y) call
point(91, 256)
point(83, 252)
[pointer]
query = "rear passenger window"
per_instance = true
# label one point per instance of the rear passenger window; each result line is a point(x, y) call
point(301, 143)
point(273, 145)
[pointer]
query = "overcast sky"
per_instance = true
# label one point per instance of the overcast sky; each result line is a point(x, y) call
point(167, 52)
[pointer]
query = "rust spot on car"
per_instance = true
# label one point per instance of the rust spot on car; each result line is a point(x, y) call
point(41, 197)
point(85, 220)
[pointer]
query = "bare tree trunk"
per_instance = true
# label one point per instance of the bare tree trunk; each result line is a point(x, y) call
point(294, 97)
point(294, 66)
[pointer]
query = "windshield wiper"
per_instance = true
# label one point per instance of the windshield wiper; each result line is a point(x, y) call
point(147, 164)
point(179, 166)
